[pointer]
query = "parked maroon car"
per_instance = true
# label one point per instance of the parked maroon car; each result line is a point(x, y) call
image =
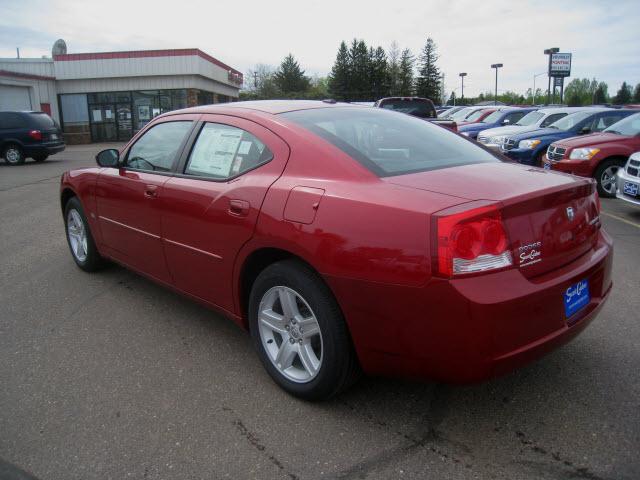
point(348, 238)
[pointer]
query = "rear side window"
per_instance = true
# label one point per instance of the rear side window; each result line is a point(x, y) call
point(156, 150)
point(388, 143)
point(551, 119)
point(41, 121)
point(222, 152)
point(11, 120)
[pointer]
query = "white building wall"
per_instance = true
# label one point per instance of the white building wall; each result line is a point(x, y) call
point(31, 66)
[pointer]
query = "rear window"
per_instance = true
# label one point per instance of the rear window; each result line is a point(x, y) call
point(416, 107)
point(41, 120)
point(389, 144)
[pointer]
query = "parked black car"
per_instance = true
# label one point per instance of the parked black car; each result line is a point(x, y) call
point(28, 135)
point(416, 106)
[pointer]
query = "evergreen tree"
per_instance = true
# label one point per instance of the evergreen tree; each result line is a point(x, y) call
point(600, 96)
point(624, 95)
point(636, 94)
point(428, 81)
point(378, 73)
point(360, 86)
point(394, 70)
point(452, 99)
point(340, 76)
point(405, 74)
point(290, 78)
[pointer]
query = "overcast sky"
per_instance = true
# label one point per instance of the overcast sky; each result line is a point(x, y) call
point(603, 36)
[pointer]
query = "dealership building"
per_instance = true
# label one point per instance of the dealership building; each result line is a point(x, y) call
point(102, 97)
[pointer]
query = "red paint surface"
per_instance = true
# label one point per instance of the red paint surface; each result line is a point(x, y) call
point(371, 240)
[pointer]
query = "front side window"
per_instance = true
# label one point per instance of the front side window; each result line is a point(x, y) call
point(514, 117)
point(529, 119)
point(492, 117)
point(388, 143)
point(156, 150)
point(222, 152)
point(475, 116)
point(570, 121)
point(606, 121)
point(552, 119)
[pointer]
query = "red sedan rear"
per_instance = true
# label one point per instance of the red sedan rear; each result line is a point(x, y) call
point(347, 238)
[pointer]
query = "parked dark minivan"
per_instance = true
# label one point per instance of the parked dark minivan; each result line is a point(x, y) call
point(28, 135)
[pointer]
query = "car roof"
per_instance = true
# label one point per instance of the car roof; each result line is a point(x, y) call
point(267, 106)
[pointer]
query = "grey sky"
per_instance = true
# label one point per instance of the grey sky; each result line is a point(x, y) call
point(471, 35)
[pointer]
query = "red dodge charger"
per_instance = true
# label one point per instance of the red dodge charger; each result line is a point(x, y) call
point(348, 239)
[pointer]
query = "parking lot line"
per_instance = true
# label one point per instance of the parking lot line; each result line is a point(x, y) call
point(620, 218)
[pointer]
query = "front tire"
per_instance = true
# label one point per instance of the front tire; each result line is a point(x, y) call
point(299, 332)
point(605, 176)
point(79, 238)
point(13, 154)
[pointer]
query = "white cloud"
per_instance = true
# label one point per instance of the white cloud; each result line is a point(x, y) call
point(470, 35)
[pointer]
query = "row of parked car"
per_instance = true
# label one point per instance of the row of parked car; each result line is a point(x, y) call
point(596, 142)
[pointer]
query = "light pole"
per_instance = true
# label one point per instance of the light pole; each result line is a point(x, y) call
point(550, 51)
point(462, 75)
point(496, 66)
point(534, 85)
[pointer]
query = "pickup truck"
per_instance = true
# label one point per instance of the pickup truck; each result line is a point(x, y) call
point(530, 148)
point(416, 106)
point(599, 155)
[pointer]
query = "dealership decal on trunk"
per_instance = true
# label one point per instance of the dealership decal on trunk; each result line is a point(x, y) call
point(530, 254)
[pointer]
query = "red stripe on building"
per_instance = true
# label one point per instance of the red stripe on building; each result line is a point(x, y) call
point(179, 52)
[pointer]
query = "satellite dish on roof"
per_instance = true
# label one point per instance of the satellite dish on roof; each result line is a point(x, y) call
point(59, 48)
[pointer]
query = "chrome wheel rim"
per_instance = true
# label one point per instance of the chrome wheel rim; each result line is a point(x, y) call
point(608, 179)
point(290, 334)
point(77, 235)
point(12, 155)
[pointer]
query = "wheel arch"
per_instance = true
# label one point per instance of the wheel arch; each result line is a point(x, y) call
point(67, 194)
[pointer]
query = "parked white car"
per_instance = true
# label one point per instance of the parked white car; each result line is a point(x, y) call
point(628, 179)
point(541, 118)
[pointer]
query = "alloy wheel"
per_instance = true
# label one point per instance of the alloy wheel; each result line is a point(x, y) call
point(290, 334)
point(608, 179)
point(77, 235)
point(12, 155)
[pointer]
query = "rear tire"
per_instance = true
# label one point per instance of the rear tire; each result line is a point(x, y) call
point(40, 157)
point(81, 244)
point(305, 346)
point(13, 154)
point(605, 176)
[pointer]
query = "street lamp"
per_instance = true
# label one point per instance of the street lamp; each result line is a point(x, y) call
point(534, 85)
point(462, 75)
point(550, 51)
point(496, 66)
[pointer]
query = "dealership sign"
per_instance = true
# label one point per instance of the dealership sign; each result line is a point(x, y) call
point(560, 65)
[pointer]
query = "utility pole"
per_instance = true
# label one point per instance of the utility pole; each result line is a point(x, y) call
point(496, 66)
point(462, 75)
point(255, 80)
point(18, 51)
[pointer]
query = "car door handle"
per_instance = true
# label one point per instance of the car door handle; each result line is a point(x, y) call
point(151, 191)
point(238, 208)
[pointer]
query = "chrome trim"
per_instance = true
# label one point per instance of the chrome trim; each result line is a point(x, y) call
point(129, 227)
point(189, 247)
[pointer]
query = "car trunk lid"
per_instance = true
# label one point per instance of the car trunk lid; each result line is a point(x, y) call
point(551, 218)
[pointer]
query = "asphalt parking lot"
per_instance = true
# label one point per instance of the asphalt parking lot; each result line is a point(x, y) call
point(109, 376)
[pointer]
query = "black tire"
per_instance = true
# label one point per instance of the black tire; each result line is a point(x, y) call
point(604, 188)
point(41, 157)
point(93, 261)
point(339, 368)
point(540, 159)
point(13, 154)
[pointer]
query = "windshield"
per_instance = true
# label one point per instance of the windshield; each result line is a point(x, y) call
point(448, 113)
point(387, 143)
point(571, 121)
point(529, 119)
point(629, 126)
point(494, 117)
point(474, 116)
point(460, 114)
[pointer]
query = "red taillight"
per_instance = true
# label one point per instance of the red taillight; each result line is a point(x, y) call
point(35, 134)
point(470, 241)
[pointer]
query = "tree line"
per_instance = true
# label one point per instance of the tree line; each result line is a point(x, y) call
point(363, 73)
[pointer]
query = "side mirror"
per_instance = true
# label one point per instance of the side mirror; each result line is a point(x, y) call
point(108, 158)
point(585, 130)
point(506, 121)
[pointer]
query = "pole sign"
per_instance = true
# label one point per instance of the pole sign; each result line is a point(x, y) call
point(560, 65)
point(558, 82)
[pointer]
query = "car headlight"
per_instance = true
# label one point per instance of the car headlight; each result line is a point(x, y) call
point(530, 144)
point(583, 153)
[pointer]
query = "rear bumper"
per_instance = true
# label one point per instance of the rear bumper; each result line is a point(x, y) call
point(472, 329)
point(44, 149)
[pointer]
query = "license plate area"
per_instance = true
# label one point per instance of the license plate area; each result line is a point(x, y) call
point(630, 189)
point(576, 297)
point(547, 166)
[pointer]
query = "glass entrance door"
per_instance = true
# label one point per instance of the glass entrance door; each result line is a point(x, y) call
point(125, 122)
point(103, 123)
